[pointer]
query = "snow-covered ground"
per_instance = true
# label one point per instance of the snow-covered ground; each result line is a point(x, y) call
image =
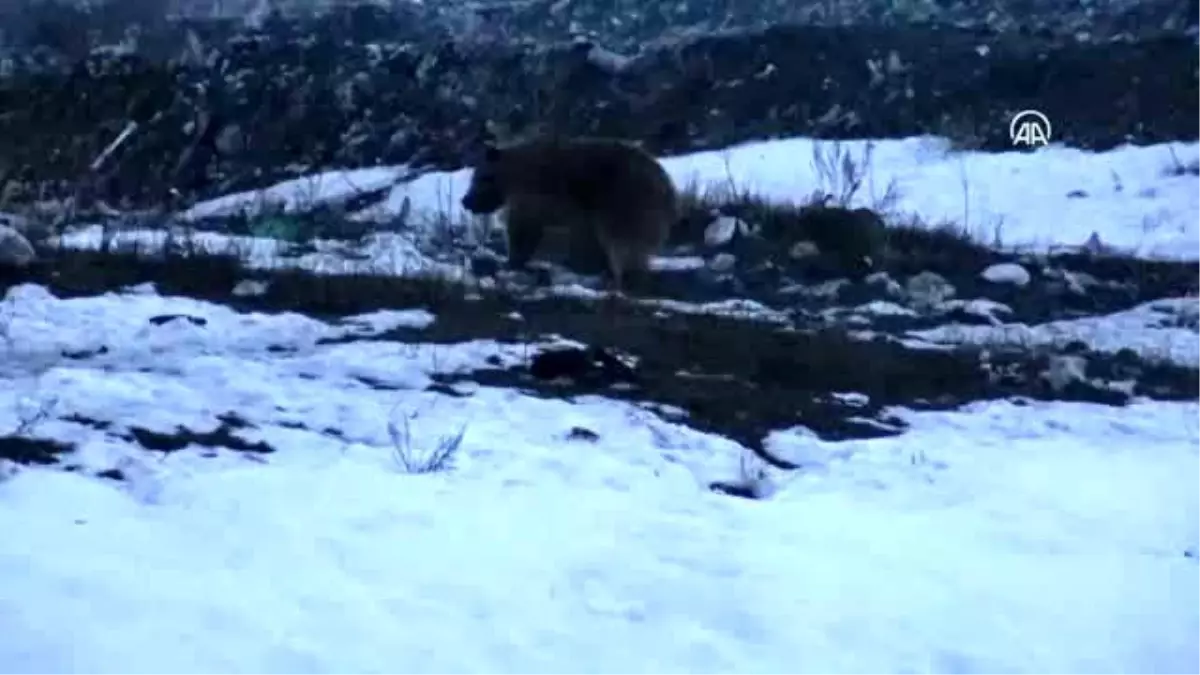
point(1039, 538)
point(1129, 197)
point(1152, 329)
point(1001, 538)
point(298, 193)
point(1133, 203)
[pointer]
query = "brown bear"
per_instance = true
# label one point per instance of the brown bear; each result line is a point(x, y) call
point(613, 202)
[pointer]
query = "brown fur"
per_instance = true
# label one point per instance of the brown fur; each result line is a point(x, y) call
point(613, 201)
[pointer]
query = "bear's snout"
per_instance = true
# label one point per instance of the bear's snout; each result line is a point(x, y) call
point(479, 204)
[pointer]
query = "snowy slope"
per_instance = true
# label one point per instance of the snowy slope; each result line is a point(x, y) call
point(1134, 198)
point(1048, 537)
point(276, 530)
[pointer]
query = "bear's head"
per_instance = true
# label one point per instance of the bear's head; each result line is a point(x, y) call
point(487, 193)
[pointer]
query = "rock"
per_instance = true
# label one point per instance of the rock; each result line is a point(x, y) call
point(1096, 246)
point(15, 249)
point(978, 311)
point(722, 262)
point(828, 290)
point(247, 288)
point(161, 319)
point(607, 60)
point(853, 238)
point(928, 290)
point(230, 140)
point(884, 308)
point(1076, 283)
point(36, 225)
point(1007, 273)
point(591, 365)
point(1063, 371)
point(722, 230)
point(885, 284)
point(803, 249)
point(485, 263)
point(14, 221)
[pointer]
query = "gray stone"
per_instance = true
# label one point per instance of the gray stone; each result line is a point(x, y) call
point(721, 231)
point(929, 289)
point(15, 249)
point(1007, 273)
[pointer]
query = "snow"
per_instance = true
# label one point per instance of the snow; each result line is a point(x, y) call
point(1002, 538)
point(378, 253)
point(1158, 331)
point(1017, 199)
point(1126, 198)
point(1052, 198)
point(298, 193)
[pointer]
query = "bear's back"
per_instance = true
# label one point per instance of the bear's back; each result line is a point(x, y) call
point(591, 174)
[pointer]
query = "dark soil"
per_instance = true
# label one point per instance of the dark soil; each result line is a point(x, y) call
point(740, 377)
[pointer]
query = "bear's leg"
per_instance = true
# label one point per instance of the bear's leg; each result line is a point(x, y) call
point(585, 254)
point(628, 251)
point(525, 230)
point(622, 261)
point(630, 268)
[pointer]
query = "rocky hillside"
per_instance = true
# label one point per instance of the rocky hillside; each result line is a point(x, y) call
point(225, 104)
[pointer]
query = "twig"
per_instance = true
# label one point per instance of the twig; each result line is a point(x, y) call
point(131, 127)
